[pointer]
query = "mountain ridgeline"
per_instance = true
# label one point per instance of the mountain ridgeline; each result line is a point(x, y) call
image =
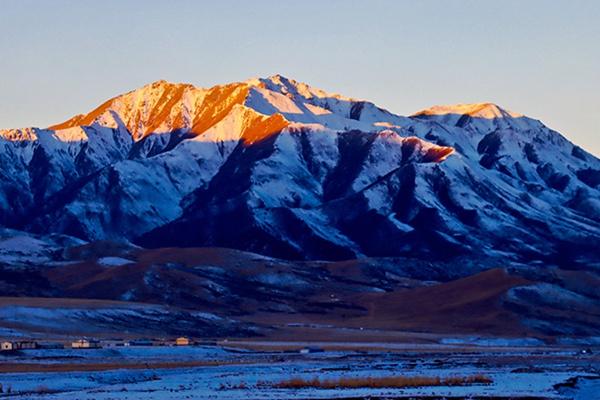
point(277, 167)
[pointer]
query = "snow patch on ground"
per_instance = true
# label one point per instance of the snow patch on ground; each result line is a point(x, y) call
point(114, 261)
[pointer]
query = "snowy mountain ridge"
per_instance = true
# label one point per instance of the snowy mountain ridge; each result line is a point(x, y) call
point(277, 167)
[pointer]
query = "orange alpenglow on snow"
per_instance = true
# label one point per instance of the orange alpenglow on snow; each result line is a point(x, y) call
point(478, 110)
point(432, 153)
point(261, 128)
point(218, 102)
point(163, 107)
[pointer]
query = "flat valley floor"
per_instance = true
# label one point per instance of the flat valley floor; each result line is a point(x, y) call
point(256, 370)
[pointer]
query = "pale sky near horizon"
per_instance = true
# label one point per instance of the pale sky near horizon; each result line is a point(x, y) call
point(540, 58)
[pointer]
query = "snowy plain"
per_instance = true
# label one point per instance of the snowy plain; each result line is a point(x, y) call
point(517, 372)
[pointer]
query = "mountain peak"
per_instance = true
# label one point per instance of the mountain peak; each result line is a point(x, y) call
point(158, 83)
point(279, 78)
point(485, 110)
point(288, 86)
point(279, 166)
point(163, 106)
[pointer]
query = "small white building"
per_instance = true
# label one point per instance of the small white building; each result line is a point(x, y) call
point(85, 344)
point(182, 341)
point(310, 350)
point(26, 344)
point(7, 346)
point(20, 345)
point(110, 343)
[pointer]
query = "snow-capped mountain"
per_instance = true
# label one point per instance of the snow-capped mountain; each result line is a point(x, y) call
point(277, 167)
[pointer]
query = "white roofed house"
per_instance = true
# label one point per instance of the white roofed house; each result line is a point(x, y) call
point(18, 345)
point(7, 346)
point(312, 349)
point(26, 344)
point(85, 344)
point(182, 341)
point(114, 343)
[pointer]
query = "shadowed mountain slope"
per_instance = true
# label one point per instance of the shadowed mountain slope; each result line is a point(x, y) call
point(277, 167)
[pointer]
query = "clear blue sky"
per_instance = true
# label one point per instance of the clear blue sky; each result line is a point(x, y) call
point(540, 58)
